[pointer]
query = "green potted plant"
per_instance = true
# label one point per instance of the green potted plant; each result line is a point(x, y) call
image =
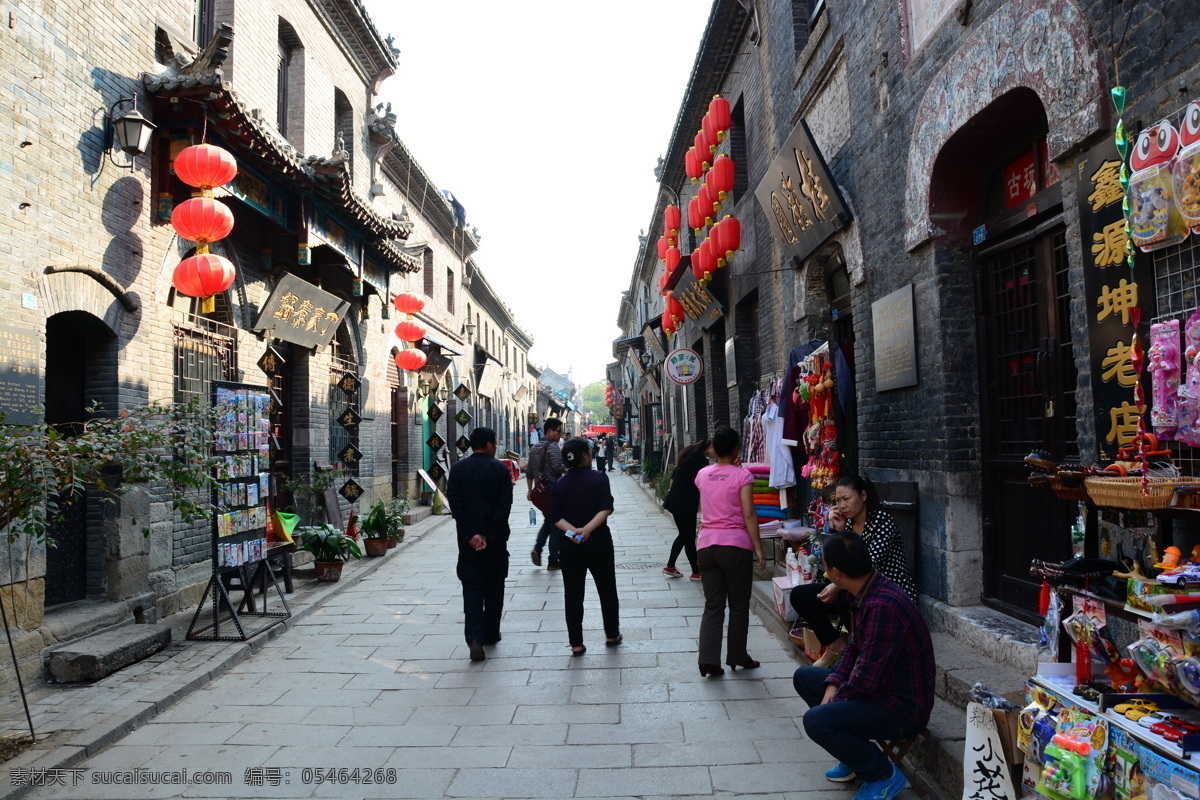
point(330, 548)
point(377, 529)
point(398, 509)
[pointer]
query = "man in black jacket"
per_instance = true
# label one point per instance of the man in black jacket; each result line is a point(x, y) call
point(480, 492)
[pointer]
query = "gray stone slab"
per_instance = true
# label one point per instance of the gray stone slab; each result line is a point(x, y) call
point(104, 653)
point(400, 736)
point(528, 735)
point(704, 754)
point(513, 783)
point(463, 715)
point(578, 756)
point(635, 781)
point(570, 714)
point(665, 731)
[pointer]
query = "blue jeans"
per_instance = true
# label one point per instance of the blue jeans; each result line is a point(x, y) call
point(846, 728)
point(551, 532)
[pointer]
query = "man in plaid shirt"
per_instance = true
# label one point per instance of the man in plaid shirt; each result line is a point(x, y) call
point(545, 459)
point(882, 687)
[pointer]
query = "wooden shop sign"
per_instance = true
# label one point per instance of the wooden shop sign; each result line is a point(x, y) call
point(300, 313)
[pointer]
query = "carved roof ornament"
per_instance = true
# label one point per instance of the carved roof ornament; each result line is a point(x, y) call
point(212, 57)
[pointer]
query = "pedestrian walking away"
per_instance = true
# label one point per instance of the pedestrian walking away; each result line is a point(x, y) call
point(683, 503)
point(855, 510)
point(727, 547)
point(882, 688)
point(580, 505)
point(480, 492)
point(601, 453)
point(543, 469)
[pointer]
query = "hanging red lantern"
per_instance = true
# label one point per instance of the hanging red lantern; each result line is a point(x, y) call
point(667, 325)
point(695, 215)
point(662, 247)
point(671, 219)
point(702, 150)
point(202, 219)
point(673, 256)
point(408, 303)
point(714, 235)
point(693, 164)
point(673, 239)
point(713, 194)
point(702, 261)
point(410, 331)
point(718, 109)
point(411, 359)
point(731, 236)
point(708, 207)
point(711, 135)
point(675, 308)
point(724, 175)
point(205, 166)
point(662, 282)
point(203, 276)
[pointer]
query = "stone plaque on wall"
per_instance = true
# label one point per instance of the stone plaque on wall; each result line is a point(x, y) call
point(895, 340)
point(20, 375)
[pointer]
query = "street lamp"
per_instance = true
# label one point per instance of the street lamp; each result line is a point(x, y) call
point(443, 394)
point(470, 331)
point(130, 132)
point(423, 387)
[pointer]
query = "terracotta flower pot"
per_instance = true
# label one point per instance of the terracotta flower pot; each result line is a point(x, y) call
point(396, 538)
point(376, 547)
point(329, 571)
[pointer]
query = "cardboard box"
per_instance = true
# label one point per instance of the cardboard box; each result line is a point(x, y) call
point(783, 589)
point(1006, 725)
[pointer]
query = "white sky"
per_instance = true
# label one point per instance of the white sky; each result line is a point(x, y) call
point(546, 119)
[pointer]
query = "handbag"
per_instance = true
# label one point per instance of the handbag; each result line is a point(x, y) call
point(540, 494)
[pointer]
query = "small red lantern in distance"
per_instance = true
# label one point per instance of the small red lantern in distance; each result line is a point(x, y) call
point(711, 134)
point(718, 109)
point(205, 166)
point(723, 176)
point(410, 330)
point(411, 359)
point(675, 308)
point(714, 237)
point(202, 219)
point(673, 256)
point(662, 247)
point(671, 219)
point(408, 303)
point(695, 214)
point(731, 236)
point(702, 149)
point(662, 282)
point(707, 205)
point(693, 164)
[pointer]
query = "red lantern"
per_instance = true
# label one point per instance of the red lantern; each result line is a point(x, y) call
point(708, 206)
point(718, 109)
point(662, 282)
point(702, 265)
point(203, 276)
point(675, 308)
point(408, 303)
point(723, 176)
point(671, 219)
point(202, 219)
point(673, 239)
point(702, 150)
point(662, 247)
point(693, 164)
point(411, 359)
point(714, 235)
point(410, 330)
point(673, 256)
point(205, 166)
point(667, 326)
point(695, 214)
point(711, 135)
point(731, 236)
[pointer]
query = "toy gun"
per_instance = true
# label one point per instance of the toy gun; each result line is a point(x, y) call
point(1066, 768)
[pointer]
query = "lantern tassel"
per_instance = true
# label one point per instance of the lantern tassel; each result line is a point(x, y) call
point(201, 247)
point(208, 305)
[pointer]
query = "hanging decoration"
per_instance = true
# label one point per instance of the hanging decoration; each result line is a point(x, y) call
point(1157, 222)
point(408, 303)
point(672, 259)
point(693, 164)
point(662, 247)
point(695, 215)
point(205, 167)
point(202, 220)
point(671, 219)
point(718, 109)
point(675, 308)
point(711, 134)
point(409, 330)
point(204, 275)
point(703, 151)
point(411, 359)
point(730, 240)
point(724, 175)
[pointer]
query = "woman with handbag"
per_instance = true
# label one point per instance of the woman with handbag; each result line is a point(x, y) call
point(683, 502)
point(580, 505)
point(544, 468)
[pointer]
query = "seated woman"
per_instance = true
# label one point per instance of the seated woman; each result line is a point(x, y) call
point(855, 510)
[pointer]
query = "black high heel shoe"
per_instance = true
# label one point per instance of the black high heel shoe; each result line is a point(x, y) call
point(577, 650)
point(710, 670)
point(750, 663)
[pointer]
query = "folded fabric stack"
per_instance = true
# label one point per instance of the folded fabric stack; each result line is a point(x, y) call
point(766, 499)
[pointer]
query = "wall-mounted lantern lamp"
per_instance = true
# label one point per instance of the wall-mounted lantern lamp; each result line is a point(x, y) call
point(130, 131)
point(423, 387)
point(443, 394)
point(469, 329)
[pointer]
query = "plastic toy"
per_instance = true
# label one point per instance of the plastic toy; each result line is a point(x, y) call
point(1187, 670)
point(1066, 767)
point(1182, 576)
point(1179, 730)
point(1157, 223)
point(1185, 172)
point(1123, 674)
point(1188, 408)
point(1145, 706)
point(1165, 369)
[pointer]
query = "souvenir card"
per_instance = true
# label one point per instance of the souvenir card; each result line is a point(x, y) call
point(264, 484)
point(251, 494)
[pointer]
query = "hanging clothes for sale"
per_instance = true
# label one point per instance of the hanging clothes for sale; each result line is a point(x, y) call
point(753, 437)
point(796, 418)
point(779, 455)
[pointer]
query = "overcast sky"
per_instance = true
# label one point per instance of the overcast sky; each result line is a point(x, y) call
point(546, 119)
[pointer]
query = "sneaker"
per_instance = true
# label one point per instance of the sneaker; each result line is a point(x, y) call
point(536, 557)
point(840, 774)
point(885, 789)
point(695, 576)
point(671, 572)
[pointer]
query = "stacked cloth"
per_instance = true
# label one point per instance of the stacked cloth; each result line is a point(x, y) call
point(766, 499)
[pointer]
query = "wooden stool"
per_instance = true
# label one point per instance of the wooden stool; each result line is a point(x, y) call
point(896, 750)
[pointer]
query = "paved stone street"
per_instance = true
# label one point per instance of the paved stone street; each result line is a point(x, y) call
point(378, 677)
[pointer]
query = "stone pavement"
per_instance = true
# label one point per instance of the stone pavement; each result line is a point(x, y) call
point(374, 684)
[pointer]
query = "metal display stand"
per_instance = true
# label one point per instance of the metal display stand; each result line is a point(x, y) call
point(239, 543)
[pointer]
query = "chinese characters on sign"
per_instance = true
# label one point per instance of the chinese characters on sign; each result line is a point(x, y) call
point(699, 304)
point(300, 313)
point(895, 340)
point(684, 366)
point(1020, 180)
point(985, 771)
point(20, 376)
point(800, 197)
point(1112, 292)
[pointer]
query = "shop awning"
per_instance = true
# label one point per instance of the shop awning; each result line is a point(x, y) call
point(621, 345)
point(445, 347)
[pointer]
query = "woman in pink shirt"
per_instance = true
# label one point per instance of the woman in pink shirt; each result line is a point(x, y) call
point(727, 547)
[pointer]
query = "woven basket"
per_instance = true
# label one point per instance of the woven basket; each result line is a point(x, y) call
point(1074, 490)
point(1127, 492)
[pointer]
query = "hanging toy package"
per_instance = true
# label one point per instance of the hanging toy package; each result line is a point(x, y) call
point(1185, 171)
point(1156, 220)
point(1164, 367)
point(1188, 408)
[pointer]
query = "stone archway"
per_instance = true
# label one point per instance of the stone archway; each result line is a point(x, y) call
point(1045, 45)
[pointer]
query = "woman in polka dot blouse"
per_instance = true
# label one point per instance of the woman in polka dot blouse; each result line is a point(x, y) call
point(855, 509)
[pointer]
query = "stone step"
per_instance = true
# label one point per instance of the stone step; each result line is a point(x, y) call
point(95, 657)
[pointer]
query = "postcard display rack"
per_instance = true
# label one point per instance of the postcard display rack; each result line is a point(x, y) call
point(239, 526)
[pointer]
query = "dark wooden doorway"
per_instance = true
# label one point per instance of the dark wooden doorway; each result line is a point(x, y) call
point(1027, 402)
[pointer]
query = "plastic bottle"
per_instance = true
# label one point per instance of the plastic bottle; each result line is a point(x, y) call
point(533, 517)
point(806, 574)
point(793, 567)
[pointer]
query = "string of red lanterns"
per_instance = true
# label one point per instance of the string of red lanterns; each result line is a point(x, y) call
point(409, 330)
point(202, 220)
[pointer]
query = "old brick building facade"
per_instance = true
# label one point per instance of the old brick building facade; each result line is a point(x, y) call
point(325, 193)
point(922, 111)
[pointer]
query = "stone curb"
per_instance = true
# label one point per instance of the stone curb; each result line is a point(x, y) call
point(53, 754)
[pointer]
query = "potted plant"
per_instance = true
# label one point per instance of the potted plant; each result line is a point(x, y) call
point(330, 548)
point(382, 525)
point(399, 508)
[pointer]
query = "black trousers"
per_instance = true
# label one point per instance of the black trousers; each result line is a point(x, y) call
point(816, 614)
point(482, 574)
point(600, 462)
point(727, 573)
point(685, 523)
point(577, 560)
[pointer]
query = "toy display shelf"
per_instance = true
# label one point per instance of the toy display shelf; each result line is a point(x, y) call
point(1059, 682)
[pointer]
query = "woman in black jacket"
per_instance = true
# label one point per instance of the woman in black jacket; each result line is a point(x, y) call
point(683, 501)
